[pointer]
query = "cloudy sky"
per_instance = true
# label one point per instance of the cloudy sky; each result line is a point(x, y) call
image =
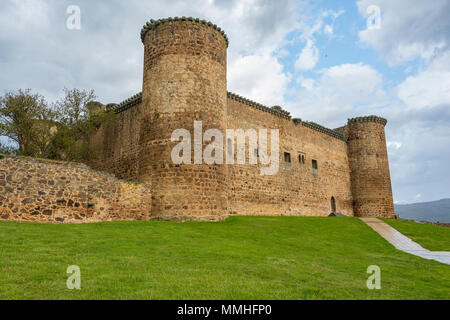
point(323, 61)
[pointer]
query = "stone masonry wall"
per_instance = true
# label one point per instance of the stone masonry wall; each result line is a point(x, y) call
point(116, 145)
point(45, 191)
point(297, 189)
point(185, 63)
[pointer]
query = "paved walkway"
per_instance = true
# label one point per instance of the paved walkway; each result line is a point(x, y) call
point(403, 243)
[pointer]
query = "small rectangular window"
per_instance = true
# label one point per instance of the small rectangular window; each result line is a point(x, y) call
point(287, 157)
point(315, 166)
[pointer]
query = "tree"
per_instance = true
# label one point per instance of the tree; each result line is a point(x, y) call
point(79, 116)
point(73, 108)
point(60, 133)
point(25, 116)
point(44, 133)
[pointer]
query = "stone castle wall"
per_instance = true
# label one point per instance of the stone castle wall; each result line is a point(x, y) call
point(45, 191)
point(297, 189)
point(116, 145)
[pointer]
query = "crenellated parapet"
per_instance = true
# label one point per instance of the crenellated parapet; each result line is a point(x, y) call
point(276, 110)
point(327, 131)
point(153, 24)
point(368, 119)
point(128, 103)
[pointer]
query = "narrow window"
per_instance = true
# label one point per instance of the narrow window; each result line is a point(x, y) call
point(301, 158)
point(315, 165)
point(287, 158)
point(256, 153)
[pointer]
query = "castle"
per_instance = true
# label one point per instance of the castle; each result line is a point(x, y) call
point(321, 170)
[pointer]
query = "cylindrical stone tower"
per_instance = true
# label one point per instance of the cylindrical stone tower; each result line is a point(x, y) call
point(185, 80)
point(370, 177)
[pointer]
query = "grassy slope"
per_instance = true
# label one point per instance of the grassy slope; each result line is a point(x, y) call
point(241, 258)
point(431, 237)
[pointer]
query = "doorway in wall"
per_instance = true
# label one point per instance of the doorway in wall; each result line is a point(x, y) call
point(333, 205)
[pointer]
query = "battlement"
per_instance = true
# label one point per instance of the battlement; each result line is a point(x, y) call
point(128, 103)
point(327, 131)
point(153, 24)
point(276, 110)
point(368, 119)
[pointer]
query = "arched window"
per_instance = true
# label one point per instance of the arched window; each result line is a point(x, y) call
point(333, 205)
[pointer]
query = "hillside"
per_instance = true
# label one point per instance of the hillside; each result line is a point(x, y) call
point(240, 258)
point(435, 211)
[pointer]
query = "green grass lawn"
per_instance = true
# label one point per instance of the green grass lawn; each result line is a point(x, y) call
point(240, 258)
point(431, 237)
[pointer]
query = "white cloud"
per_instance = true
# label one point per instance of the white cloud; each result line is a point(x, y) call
point(309, 28)
point(430, 87)
point(253, 26)
point(259, 77)
point(394, 144)
point(24, 15)
point(306, 83)
point(339, 92)
point(308, 58)
point(328, 30)
point(409, 28)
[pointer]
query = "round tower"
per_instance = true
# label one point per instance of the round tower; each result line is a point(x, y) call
point(370, 177)
point(185, 80)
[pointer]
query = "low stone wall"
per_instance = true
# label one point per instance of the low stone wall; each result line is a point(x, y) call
point(54, 192)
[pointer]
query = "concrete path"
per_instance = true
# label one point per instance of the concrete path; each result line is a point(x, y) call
point(403, 243)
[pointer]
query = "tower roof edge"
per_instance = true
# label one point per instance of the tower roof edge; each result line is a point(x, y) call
point(152, 24)
point(372, 118)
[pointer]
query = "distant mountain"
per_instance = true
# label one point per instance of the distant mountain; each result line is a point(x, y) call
point(436, 211)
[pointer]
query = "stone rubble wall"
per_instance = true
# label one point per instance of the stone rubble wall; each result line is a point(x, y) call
point(55, 192)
